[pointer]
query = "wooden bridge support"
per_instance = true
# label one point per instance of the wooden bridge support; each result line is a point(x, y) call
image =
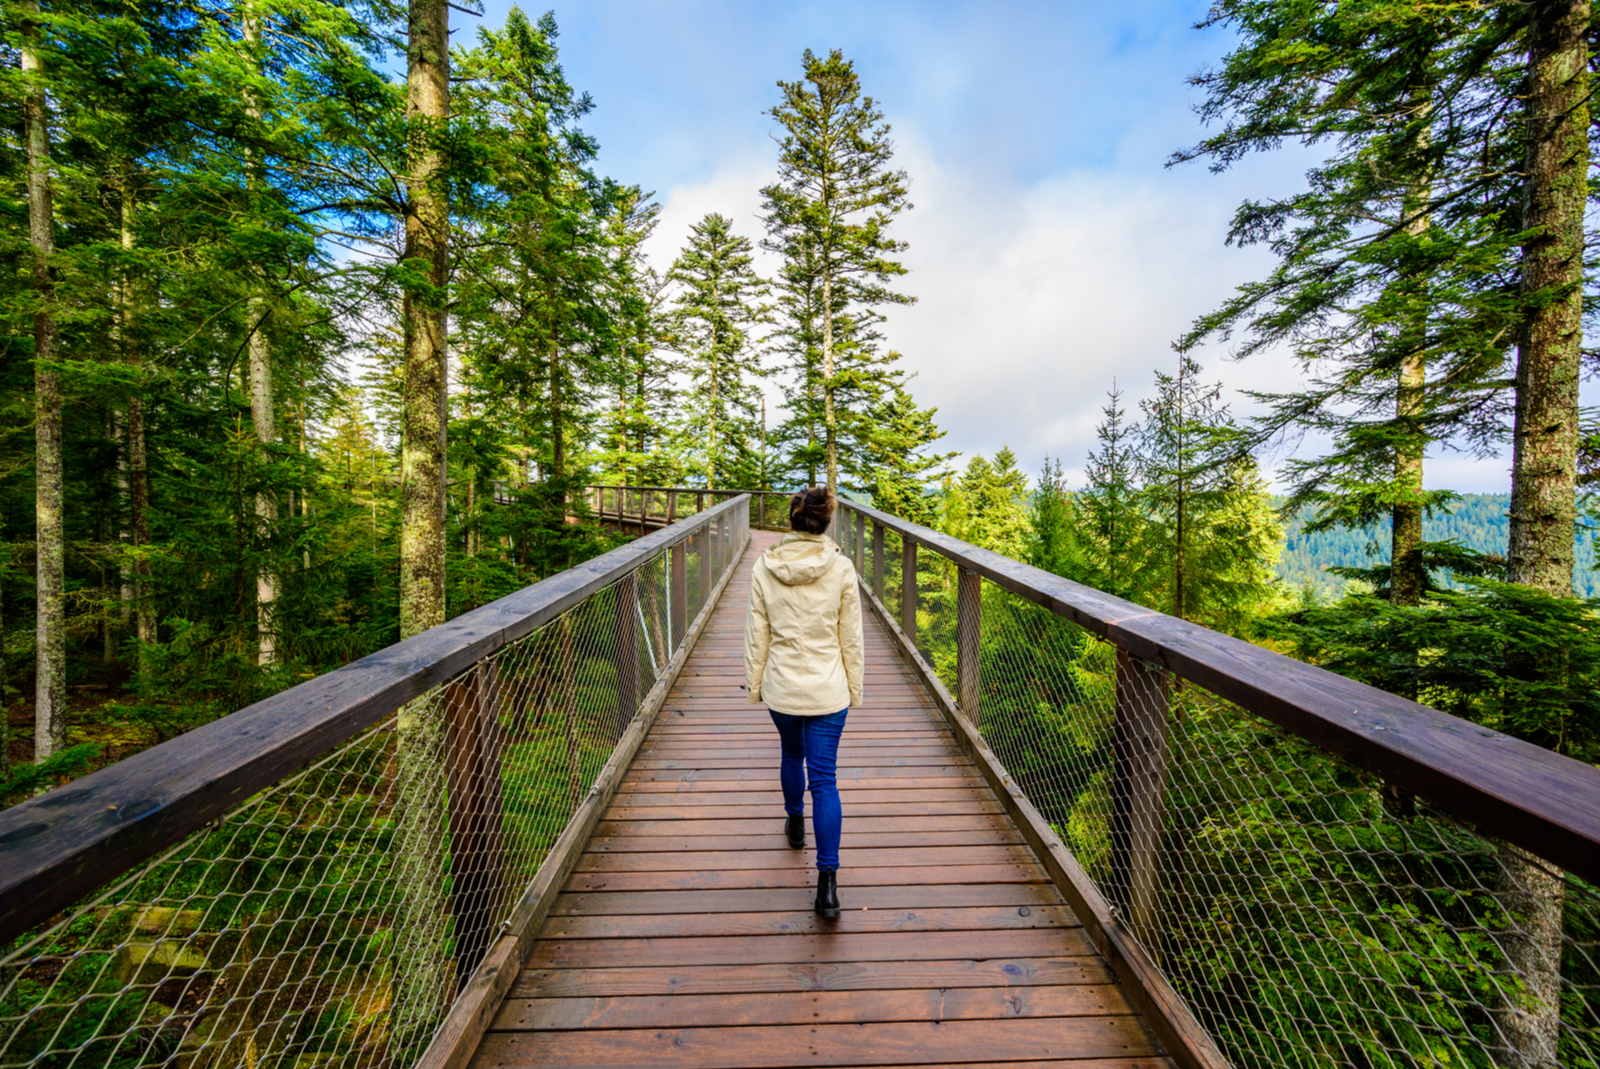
point(908, 589)
point(969, 631)
point(1138, 793)
point(627, 649)
point(477, 842)
point(678, 591)
point(877, 559)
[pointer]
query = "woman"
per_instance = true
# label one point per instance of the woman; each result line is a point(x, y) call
point(802, 657)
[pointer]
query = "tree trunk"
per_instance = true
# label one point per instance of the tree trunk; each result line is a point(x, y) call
point(423, 981)
point(50, 694)
point(1407, 577)
point(711, 436)
point(305, 503)
point(261, 399)
point(5, 679)
point(129, 355)
point(261, 417)
point(1544, 458)
point(1406, 573)
point(558, 444)
point(827, 380)
point(427, 243)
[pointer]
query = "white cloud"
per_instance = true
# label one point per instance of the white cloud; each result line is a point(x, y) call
point(1033, 300)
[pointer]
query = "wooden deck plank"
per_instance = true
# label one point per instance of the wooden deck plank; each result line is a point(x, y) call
point(879, 857)
point(893, 1043)
point(624, 840)
point(811, 1007)
point(807, 946)
point(804, 877)
point(685, 937)
point(811, 976)
point(767, 826)
point(755, 900)
point(800, 919)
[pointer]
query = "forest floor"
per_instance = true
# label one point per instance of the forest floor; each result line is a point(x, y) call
point(105, 715)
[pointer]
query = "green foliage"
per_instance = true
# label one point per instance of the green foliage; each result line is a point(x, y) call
point(1476, 523)
point(25, 781)
point(713, 313)
point(828, 215)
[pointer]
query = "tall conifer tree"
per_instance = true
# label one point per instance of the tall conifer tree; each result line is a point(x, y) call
point(828, 215)
point(714, 312)
point(1545, 450)
point(1391, 285)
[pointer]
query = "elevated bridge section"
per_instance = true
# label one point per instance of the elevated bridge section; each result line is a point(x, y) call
point(548, 833)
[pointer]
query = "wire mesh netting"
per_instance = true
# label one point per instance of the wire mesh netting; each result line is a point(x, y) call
point(1307, 912)
point(331, 920)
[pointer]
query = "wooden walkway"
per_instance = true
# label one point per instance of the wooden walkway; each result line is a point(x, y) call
point(686, 938)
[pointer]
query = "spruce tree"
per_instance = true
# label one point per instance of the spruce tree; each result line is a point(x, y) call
point(899, 472)
point(50, 688)
point(1391, 284)
point(1545, 452)
point(1108, 509)
point(828, 216)
point(1208, 538)
point(714, 313)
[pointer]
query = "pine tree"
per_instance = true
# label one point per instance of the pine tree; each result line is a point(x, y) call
point(713, 313)
point(985, 506)
point(1055, 538)
point(899, 472)
point(1391, 285)
point(1545, 452)
point(1111, 517)
point(1208, 537)
point(828, 216)
point(50, 701)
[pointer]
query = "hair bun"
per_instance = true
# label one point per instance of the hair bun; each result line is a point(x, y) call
point(811, 509)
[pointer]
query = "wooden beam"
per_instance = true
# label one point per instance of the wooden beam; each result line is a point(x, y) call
point(877, 559)
point(969, 642)
point(1138, 791)
point(909, 593)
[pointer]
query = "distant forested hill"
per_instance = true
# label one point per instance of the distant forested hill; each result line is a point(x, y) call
point(1477, 520)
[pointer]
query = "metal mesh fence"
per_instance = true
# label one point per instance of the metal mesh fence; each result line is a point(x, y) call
point(331, 920)
point(1308, 913)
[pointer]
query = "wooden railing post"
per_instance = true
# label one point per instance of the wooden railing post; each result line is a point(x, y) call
point(858, 549)
point(908, 587)
point(679, 591)
point(1138, 792)
point(627, 649)
point(672, 506)
point(477, 842)
point(877, 559)
point(969, 630)
point(703, 543)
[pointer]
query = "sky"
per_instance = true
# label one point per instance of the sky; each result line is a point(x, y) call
point(1053, 254)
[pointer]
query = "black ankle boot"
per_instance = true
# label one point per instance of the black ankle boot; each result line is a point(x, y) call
point(828, 894)
point(795, 829)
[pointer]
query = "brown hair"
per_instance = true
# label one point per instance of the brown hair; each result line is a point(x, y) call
point(811, 509)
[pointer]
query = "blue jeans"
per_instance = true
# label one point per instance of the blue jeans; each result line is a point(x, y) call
point(814, 742)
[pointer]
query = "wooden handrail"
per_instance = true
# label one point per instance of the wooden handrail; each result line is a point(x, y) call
point(63, 844)
point(1514, 790)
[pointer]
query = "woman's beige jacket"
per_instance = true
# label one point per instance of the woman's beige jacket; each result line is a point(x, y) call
point(802, 635)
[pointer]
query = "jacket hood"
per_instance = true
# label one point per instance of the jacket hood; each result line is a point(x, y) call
point(801, 558)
